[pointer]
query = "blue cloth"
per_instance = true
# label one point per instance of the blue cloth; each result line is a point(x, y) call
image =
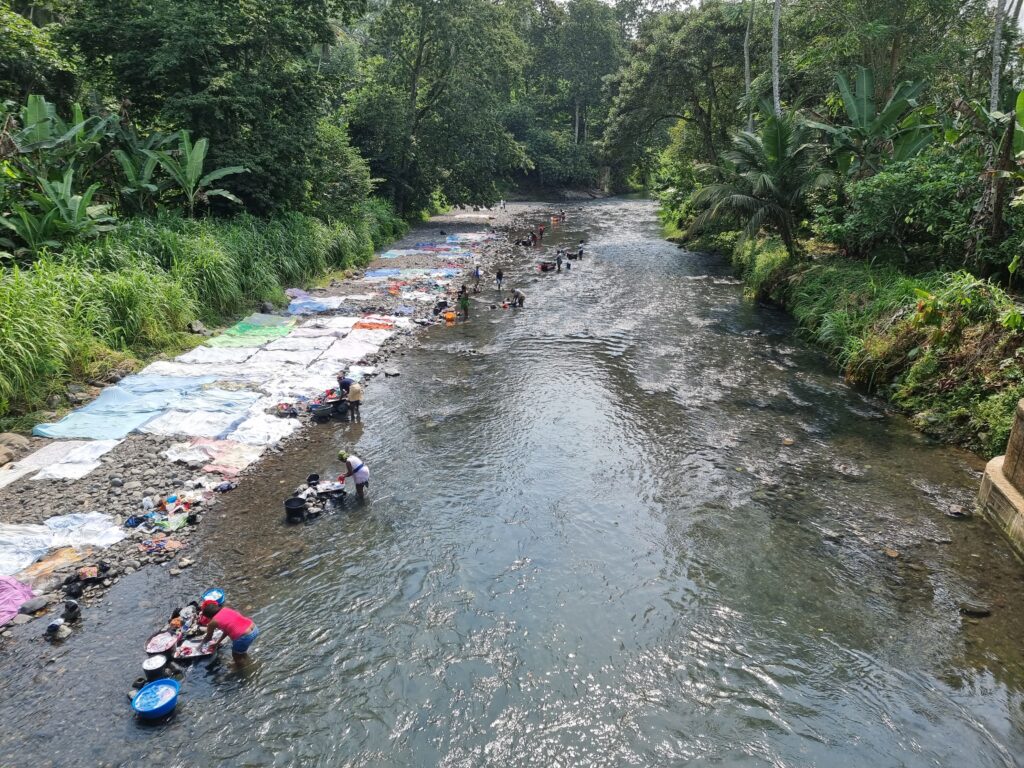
point(126, 406)
point(306, 306)
point(241, 645)
point(384, 273)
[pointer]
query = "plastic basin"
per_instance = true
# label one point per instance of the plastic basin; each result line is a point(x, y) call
point(156, 699)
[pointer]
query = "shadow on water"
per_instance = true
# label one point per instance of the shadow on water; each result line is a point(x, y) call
point(587, 543)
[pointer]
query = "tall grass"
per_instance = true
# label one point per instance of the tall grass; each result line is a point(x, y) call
point(133, 292)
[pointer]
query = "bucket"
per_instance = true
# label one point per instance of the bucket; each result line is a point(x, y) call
point(295, 509)
point(156, 699)
point(155, 667)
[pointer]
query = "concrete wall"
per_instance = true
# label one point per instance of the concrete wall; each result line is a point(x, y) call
point(1001, 497)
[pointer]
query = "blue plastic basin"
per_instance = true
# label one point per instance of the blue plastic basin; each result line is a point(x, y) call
point(156, 699)
point(216, 594)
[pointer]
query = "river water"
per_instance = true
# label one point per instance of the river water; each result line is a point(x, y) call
point(586, 545)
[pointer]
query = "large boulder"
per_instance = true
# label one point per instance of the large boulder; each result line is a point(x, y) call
point(14, 441)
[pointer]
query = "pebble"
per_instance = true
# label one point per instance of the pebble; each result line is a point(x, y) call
point(116, 482)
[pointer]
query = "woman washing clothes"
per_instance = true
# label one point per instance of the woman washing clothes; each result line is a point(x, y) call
point(241, 629)
point(358, 471)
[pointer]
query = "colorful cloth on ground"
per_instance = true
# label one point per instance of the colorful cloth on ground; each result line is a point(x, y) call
point(13, 595)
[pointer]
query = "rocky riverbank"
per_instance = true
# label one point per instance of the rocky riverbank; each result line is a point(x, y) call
point(137, 473)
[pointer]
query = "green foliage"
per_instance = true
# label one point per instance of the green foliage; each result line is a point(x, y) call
point(186, 165)
point(874, 136)
point(134, 289)
point(340, 180)
point(765, 181)
point(427, 112)
point(762, 264)
point(243, 75)
point(30, 59)
point(918, 212)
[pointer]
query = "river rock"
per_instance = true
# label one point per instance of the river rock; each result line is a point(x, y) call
point(6, 455)
point(33, 605)
point(390, 372)
point(13, 441)
point(175, 571)
point(267, 308)
point(975, 608)
point(196, 326)
point(21, 618)
point(133, 485)
point(116, 481)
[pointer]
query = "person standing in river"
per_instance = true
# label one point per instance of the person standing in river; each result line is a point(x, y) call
point(355, 400)
point(241, 629)
point(579, 251)
point(464, 303)
point(357, 470)
point(498, 277)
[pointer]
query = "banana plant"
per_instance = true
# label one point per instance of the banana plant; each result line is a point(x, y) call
point(139, 191)
point(75, 214)
point(874, 136)
point(185, 167)
point(45, 142)
point(35, 230)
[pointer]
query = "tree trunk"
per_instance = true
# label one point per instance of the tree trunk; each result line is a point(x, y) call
point(997, 56)
point(746, 68)
point(1004, 162)
point(576, 124)
point(776, 16)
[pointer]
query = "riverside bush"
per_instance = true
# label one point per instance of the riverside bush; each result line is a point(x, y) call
point(918, 213)
point(131, 293)
point(934, 344)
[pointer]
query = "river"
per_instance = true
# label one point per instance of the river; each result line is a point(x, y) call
point(587, 544)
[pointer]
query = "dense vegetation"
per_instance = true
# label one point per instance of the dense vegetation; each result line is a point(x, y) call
point(861, 162)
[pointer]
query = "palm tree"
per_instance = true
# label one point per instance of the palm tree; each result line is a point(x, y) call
point(765, 179)
point(997, 54)
point(746, 67)
point(776, 100)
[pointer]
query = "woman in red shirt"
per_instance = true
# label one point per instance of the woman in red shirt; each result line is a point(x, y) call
point(241, 629)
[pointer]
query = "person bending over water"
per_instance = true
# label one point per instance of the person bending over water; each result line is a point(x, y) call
point(358, 471)
point(241, 629)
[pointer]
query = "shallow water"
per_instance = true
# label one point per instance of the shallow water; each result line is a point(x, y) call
point(586, 544)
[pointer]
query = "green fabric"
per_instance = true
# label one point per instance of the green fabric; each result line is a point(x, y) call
point(253, 331)
point(172, 523)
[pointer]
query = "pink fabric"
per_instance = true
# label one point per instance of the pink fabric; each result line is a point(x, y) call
point(232, 623)
point(12, 594)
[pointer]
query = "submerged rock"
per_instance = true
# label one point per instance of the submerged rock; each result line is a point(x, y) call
point(974, 608)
